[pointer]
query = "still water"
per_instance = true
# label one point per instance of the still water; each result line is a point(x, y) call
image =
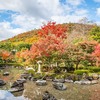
point(5, 95)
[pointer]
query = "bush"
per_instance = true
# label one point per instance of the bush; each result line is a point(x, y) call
point(94, 69)
point(31, 71)
point(57, 70)
point(51, 75)
point(80, 72)
point(59, 76)
point(39, 76)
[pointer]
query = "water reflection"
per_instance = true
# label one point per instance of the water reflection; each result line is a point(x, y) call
point(5, 95)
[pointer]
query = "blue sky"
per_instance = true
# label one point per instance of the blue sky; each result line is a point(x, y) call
point(17, 16)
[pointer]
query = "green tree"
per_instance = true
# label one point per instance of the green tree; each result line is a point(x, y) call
point(6, 46)
point(21, 46)
point(95, 33)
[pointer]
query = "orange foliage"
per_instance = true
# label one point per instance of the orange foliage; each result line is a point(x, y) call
point(5, 54)
point(96, 54)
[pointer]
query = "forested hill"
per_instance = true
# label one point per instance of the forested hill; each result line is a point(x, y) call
point(27, 37)
point(31, 36)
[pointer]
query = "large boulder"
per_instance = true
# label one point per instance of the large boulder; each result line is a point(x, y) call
point(18, 84)
point(59, 86)
point(41, 82)
point(48, 96)
point(2, 82)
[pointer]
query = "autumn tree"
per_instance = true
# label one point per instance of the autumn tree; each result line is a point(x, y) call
point(4, 55)
point(87, 48)
point(95, 33)
point(96, 54)
point(51, 41)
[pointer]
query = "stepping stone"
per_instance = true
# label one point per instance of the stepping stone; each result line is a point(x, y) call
point(48, 96)
point(41, 82)
point(59, 86)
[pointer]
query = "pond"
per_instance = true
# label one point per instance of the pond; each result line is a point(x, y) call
point(5, 95)
point(34, 92)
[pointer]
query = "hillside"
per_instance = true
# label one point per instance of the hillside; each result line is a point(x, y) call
point(27, 37)
point(31, 36)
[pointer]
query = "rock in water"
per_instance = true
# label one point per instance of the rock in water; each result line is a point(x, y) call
point(59, 86)
point(48, 96)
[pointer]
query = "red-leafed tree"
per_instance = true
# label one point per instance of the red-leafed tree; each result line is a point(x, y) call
point(96, 54)
point(51, 41)
point(52, 29)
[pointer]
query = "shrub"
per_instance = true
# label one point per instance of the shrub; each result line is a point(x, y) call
point(59, 76)
point(38, 76)
point(57, 70)
point(94, 69)
point(80, 72)
point(51, 75)
point(31, 71)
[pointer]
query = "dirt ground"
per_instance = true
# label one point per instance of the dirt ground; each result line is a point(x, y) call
point(73, 92)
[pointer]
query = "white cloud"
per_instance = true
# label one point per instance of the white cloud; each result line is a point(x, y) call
point(6, 31)
point(98, 11)
point(67, 18)
point(36, 8)
point(75, 2)
point(97, 0)
point(32, 13)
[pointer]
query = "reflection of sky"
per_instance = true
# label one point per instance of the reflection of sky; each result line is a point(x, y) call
point(5, 95)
